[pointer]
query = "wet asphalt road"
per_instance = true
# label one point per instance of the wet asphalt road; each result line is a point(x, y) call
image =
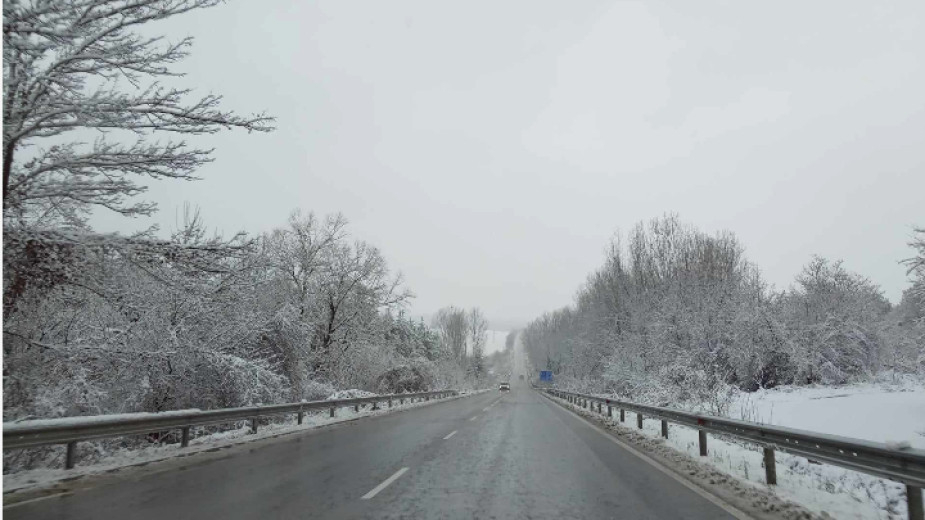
point(513, 455)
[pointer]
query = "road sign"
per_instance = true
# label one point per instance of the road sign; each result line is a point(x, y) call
point(546, 375)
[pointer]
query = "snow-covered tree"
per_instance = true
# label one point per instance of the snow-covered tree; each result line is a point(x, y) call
point(676, 315)
point(85, 103)
point(77, 65)
point(452, 326)
point(916, 265)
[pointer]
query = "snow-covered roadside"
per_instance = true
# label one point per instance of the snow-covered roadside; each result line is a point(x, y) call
point(889, 413)
point(756, 501)
point(873, 412)
point(42, 478)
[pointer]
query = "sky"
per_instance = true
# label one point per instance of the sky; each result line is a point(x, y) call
point(491, 150)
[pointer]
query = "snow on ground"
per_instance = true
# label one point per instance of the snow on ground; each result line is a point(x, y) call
point(882, 413)
point(352, 393)
point(495, 341)
point(46, 477)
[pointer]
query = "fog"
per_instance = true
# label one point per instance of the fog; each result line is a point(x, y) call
point(492, 150)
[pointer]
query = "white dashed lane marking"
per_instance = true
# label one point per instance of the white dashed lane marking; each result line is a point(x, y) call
point(375, 491)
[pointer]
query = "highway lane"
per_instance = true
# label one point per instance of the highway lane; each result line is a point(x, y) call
point(511, 455)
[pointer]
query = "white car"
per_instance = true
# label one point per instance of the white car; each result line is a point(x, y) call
point(504, 387)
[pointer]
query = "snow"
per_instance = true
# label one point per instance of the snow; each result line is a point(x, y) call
point(99, 419)
point(352, 393)
point(880, 413)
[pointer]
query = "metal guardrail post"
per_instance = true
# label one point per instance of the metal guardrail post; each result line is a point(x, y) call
point(402, 400)
point(914, 500)
point(427, 398)
point(70, 455)
point(770, 466)
point(906, 466)
point(23, 435)
point(877, 459)
point(356, 408)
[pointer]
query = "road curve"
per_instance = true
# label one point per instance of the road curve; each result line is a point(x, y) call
point(510, 455)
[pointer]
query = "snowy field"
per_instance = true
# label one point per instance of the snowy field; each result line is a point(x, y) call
point(882, 413)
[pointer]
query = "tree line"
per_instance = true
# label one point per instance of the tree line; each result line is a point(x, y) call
point(676, 315)
point(103, 322)
point(294, 313)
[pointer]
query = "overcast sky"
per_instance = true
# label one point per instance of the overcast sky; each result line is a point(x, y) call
point(491, 149)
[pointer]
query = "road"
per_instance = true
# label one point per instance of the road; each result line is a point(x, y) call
point(493, 455)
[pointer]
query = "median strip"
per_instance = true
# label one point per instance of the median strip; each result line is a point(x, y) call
point(375, 491)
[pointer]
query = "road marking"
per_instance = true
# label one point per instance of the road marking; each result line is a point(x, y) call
point(452, 433)
point(474, 418)
point(729, 508)
point(37, 499)
point(375, 491)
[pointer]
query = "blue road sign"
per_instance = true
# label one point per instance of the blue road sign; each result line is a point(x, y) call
point(546, 375)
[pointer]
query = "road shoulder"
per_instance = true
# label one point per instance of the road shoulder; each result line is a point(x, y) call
point(32, 485)
point(735, 496)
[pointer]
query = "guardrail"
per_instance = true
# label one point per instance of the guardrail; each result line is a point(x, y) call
point(902, 465)
point(71, 430)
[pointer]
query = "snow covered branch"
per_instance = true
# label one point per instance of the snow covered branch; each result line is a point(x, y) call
point(64, 66)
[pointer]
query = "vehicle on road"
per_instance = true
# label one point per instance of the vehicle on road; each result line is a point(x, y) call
point(504, 387)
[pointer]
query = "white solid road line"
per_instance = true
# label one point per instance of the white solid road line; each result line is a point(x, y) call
point(375, 491)
point(729, 508)
point(452, 433)
point(37, 499)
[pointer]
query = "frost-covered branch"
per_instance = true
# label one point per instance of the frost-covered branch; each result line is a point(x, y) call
point(65, 66)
